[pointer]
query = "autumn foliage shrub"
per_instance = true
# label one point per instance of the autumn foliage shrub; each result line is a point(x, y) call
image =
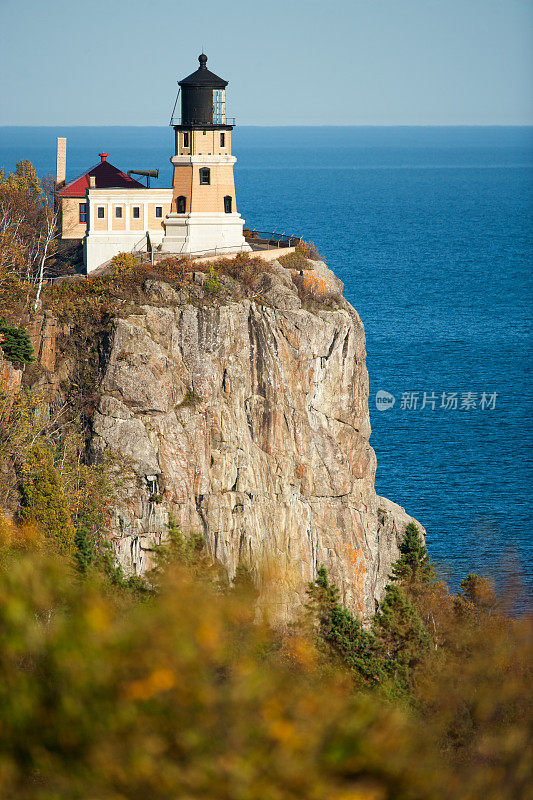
point(295, 261)
point(185, 692)
point(302, 255)
point(243, 268)
point(312, 293)
point(43, 500)
point(309, 251)
point(45, 479)
point(183, 695)
point(460, 665)
point(123, 282)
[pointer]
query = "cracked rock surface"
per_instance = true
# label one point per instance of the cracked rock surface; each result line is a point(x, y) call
point(250, 423)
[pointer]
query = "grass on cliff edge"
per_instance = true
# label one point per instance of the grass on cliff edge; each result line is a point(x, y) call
point(125, 281)
point(122, 284)
point(300, 258)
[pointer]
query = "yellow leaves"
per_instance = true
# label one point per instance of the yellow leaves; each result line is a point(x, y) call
point(279, 726)
point(49, 478)
point(284, 732)
point(300, 651)
point(363, 791)
point(24, 178)
point(19, 537)
point(124, 265)
point(185, 696)
point(208, 635)
point(97, 617)
point(27, 221)
point(160, 680)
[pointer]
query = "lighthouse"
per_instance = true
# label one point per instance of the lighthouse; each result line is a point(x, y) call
point(203, 217)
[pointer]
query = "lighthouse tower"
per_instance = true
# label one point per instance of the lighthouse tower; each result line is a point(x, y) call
point(203, 217)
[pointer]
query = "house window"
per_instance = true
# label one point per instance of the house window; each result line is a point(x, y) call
point(83, 212)
point(186, 139)
point(118, 212)
point(136, 212)
point(100, 212)
point(222, 139)
point(181, 204)
point(227, 204)
point(205, 176)
point(159, 211)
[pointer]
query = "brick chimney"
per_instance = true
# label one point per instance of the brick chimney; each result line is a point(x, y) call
point(61, 162)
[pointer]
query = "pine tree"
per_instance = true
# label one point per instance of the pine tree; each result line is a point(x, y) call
point(398, 626)
point(15, 344)
point(343, 634)
point(85, 550)
point(414, 565)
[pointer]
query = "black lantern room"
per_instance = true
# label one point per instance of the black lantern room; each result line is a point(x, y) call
point(203, 100)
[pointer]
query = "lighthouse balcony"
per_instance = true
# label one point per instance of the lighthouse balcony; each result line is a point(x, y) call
point(219, 122)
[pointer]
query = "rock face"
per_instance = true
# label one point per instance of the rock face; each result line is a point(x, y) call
point(250, 423)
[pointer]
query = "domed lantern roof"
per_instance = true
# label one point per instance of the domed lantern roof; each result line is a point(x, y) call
point(203, 77)
point(203, 99)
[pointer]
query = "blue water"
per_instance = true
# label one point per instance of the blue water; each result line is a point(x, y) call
point(430, 229)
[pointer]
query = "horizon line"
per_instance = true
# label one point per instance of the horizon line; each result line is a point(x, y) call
point(284, 125)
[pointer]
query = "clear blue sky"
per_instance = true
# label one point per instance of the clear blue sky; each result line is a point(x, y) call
point(289, 62)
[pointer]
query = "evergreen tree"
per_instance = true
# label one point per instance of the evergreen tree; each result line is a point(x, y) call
point(414, 565)
point(15, 344)
point(85, 551)
point(344, 635)
point(399, 628)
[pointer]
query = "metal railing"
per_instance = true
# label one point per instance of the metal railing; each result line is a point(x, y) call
point(266, 239)
point(149, 247)
point(202, 123)
point(214, 251)
point(261, 240)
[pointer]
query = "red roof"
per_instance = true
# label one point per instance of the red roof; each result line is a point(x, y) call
point(106, 177)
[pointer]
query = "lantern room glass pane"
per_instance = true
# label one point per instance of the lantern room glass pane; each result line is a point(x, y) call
point(219, 106)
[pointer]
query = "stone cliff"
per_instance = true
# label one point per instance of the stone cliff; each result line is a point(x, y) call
point(248, 420)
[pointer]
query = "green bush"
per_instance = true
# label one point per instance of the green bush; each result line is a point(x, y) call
point(191, 399)
point(44, 501)
point(16, 344)
point(212, 283)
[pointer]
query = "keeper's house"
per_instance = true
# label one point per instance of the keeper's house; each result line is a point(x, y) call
point(111, 212)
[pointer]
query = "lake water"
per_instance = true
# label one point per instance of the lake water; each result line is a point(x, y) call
point(430, 230)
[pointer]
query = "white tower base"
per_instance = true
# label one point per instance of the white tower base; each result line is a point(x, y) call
point(199, 233)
